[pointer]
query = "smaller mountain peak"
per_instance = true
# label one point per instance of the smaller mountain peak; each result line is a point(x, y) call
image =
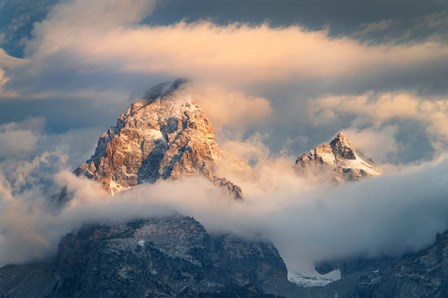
point(340, 157)
point(341, 135)
point(341, 138)
point(342, 147)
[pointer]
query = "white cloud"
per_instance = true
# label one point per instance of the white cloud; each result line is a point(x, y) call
point(396, 213)
point(378, 109)
point(307, 222)
point(68, 21)
point(231, 109)
point(237, 54)
point(377, 144)
point(7, 61)
point(19, 138)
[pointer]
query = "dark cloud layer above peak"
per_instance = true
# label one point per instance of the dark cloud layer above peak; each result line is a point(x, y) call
point(343, 14)
point(370, 21)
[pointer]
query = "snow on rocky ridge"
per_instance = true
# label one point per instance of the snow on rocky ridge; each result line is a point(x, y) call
point(164, 135)
point(339, 159)
point(161, 136)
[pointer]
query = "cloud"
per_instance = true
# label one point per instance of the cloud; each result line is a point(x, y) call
point(374, 27)
point(17, 142)
point(377, 144)
point(307, 221)
point(29, 157)
point(77, 17)
point(378, 109)
point(8, 61)
point(20, 235)
point(3, 80)
point(341, 18)
point(231, 109)
point(396, 213)
point(74, 39)
point(275, 54)
point(19, 138)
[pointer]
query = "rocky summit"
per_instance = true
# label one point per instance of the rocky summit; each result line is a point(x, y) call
point(338, 159)
point(163, 135)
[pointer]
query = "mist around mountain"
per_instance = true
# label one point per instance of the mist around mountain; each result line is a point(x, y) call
point(108, 228)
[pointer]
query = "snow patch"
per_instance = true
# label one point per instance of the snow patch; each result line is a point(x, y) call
point(317, 280)
point(154, 134)
point(116, 187)
point(361, 164)
point(328, 157)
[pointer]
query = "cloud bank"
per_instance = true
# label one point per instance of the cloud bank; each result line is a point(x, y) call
point(308, 221)
point(236, 54)
point(398, 212)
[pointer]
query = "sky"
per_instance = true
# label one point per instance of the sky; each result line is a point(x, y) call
point(79, 65)
point(275, 77)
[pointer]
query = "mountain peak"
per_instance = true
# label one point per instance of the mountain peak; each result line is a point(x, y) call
point(339, 158)
point(161, 136)
point(342, 147)
point(341, 138)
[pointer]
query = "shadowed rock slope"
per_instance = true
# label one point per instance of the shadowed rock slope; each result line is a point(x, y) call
point(158, 257)
point(423, 274)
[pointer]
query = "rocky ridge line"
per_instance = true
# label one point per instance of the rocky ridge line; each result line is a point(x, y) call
point(161, 136)
point(339, 159)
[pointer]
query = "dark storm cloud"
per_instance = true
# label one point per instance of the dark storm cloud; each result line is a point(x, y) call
point(370, 21)
point(343, 16)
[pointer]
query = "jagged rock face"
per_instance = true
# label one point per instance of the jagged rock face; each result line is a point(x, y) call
point(339, 159)
point(423, 274)
point(161, 136)
point(158, 257)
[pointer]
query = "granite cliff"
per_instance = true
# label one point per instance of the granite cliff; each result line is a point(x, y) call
point(163, 135)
